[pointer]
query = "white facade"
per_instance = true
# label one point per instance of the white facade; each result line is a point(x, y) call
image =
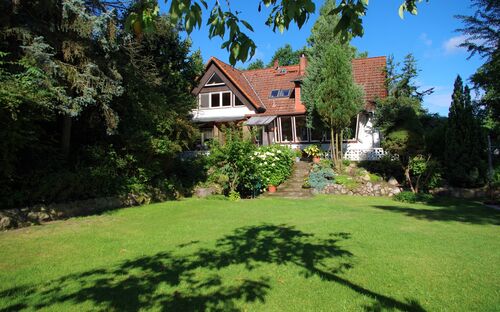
point(221, 113)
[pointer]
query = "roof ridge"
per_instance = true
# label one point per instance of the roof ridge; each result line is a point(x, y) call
point(251, 86)
point(369, 57)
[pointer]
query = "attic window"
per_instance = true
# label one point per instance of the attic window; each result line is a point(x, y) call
point(281, 93)
point(214, 80)
point(283, 71)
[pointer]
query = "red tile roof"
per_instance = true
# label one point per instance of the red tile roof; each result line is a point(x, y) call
point(257, 84)
point(370, 74)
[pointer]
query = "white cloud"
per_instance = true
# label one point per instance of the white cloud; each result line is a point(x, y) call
point(425, 39)
point(451, 45)
point(439, 101)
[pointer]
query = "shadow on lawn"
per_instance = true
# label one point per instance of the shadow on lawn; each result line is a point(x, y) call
point(192, 282)
point(449, 209)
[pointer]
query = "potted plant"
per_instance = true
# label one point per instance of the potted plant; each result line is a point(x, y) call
point(274, 181)
point(313, 151)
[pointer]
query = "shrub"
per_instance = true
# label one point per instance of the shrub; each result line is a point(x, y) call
point(274, 164)
point(410, 197)
point(313, 150)
point(234, 196)
point(346, 181)
point(385, 167)
point(320, 177)
point(231, 162)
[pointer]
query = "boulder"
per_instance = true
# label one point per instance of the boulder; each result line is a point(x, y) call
point(203, 192)
point(392, 181)
point(6, 223)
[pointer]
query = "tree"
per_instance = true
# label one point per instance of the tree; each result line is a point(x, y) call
point(399, 117)
point(125, 101)
point(482, 31)
point(286, 56)
point(227, 24)
point(257, 64)
point(329, 91)
point(465, 145)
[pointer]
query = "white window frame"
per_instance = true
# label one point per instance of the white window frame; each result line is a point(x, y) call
point(292, 122)
point(231, 98)
point(296, 139)
point(214, 84)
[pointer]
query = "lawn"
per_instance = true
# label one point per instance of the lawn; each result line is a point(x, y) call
point(323, 254)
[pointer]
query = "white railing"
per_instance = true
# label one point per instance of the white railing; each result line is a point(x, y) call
point(193, 154)
point(358, 154)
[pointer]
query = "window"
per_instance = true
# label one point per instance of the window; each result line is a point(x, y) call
point(215, 99)
point(207, 134)
point(237, 101)
point(257, 134)
point(280, 93)
point(205, 100)
point(226, 99)
point(316, 134)
point(301, 129)
point(286, 129)
point(214, 80)
point(350, 132)
point(285, 93)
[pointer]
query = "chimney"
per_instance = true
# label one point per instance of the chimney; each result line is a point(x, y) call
point(276, 64)
point(302, 65)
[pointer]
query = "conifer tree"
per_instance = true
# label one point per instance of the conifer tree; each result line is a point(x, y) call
point(465, 146)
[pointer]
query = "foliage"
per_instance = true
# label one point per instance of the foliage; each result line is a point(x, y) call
point(399, 117)
point(257, 64)
point(410, 197)
point(313, 150)
point(226, 24)
point(330, 93)
point(232, 160)
point(482, 37)
point(88, 110)
point(286, 56)
point(465, 143)
point(321, 176)
point(346, 181)
point(274, 163)
point(234, 196)
point(385, 167)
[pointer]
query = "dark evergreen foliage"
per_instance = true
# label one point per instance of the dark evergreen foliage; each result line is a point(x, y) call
point(87, 107)
point(465, 143)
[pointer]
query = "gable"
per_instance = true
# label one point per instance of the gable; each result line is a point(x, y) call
point(233, 79)
point(214, 80)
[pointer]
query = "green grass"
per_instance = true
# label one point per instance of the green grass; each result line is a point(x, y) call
point(324, 254)
point(347, 181)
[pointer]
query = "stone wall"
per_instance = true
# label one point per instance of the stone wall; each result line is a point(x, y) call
point(467, 193)
point(366, 189)
point(20, 217)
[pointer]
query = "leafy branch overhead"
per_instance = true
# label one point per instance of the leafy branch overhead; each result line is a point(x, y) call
point(225, 23)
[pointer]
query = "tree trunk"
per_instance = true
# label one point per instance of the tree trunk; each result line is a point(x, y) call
point(408, 179)
point(332, 146)
point(66, 135)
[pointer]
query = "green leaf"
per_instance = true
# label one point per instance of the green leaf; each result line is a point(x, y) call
point(402, 11)
point(247, 25)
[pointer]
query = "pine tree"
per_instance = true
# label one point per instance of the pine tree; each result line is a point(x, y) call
point(329, 91)
point(465, 145)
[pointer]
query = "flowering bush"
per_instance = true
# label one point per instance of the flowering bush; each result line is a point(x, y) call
point(313, 151)
point(274, 163)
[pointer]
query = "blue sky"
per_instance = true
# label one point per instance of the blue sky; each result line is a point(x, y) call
point(430, 36)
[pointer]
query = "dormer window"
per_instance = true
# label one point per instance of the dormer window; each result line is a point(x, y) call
point(215, 80)
point(281, 93)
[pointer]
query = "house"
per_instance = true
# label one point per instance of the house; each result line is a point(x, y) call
point(267, 101)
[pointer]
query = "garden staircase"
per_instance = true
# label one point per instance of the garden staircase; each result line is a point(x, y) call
point(292, 188)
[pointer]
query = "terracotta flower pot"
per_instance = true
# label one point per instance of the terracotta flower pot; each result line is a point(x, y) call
point(271, 188)
point(316, 159)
